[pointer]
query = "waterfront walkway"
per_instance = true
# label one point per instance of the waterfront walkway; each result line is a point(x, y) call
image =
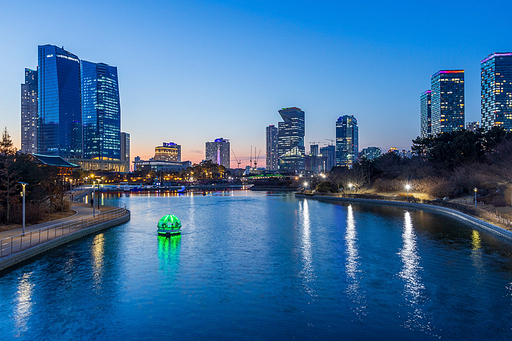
point(16, 248)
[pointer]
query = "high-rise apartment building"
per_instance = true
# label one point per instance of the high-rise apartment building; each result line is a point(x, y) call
point(496, 73)
point(219, 152)
point(125, 146)
point(272, 148)
point(168, 152)
point(29, 112)
point(330, 153)
point(347, 140)
point(59, 106)
point(101, 111)
point(290, 140)
point(426, 114)
point(447, 101)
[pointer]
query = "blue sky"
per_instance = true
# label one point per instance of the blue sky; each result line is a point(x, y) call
point(193, 71)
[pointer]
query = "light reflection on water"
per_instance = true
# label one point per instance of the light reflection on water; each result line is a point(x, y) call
point(308, 270)
point(23, 303)
point(352, 264)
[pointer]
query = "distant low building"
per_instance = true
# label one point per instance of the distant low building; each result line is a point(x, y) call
point(164, 166)
point(472, 126)
point(371, 153)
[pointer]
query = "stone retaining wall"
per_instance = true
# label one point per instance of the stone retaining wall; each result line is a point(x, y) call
point(38, 249)
point(466, 218)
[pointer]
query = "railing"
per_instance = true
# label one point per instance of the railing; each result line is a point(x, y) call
point(20, 243)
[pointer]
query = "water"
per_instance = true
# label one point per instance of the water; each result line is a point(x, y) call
point(253, 266)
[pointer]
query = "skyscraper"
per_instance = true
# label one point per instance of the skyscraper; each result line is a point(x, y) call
point(101, 111)
point(426, 114)
point(218, 152)
point(29, 112)
point(472, 126)
point(347, 140)
point(496, 71)
point(447, 101)
point(59, 109)
point(330, 153)
point(125, 147)
point(272, 147)
point(290, 140)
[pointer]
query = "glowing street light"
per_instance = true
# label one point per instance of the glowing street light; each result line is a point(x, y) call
point(93, 195)
point(305, 184)
point(474, 189)
point(23, 195)
point(350, 186)
point(407, 187)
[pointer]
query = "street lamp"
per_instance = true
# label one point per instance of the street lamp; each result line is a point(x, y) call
point(23, 195)
point(99, 180)
point(305, 185)
point(93, 195)
point(474, 189)
point(407, 187)
point(350, 186)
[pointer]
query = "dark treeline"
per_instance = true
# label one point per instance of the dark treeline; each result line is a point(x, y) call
point(45, 192)
point(447, 165)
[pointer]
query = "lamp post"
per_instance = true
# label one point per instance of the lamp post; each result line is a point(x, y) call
point(407, 187)
point(23, 195)
point(474, 189)
point(93, 195)
point(350, 186)
point(99, 193)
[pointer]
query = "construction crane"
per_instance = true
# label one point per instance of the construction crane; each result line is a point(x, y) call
point(315, 142)
point(256, 159)
point(332, 142)
point(237, 161)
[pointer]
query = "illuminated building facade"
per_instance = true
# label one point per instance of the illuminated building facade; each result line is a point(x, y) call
point(426, 114)
point(29, 113)
point(329, 152)
point(290, 140)
point(447, 101)
point(472, 126)
point(371, 153)
point(496, 73)
point(168, 152)
point(347, 139)
point(101, 111)
point(272, 148)
point(59, 109)
point(219, 152)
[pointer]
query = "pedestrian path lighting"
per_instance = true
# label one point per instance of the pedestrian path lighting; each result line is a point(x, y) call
point(93, 196)
point(350, 186)
point(407, 187)
point(475, 190)
point(23, 195)
point(305, 185)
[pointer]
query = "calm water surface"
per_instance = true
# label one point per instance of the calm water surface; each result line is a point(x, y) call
point(257, 266)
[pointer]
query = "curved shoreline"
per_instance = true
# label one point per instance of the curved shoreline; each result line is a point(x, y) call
point(463, 217)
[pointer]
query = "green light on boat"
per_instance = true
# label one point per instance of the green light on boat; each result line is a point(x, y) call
point(169, 225)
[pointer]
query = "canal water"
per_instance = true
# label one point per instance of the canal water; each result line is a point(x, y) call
point(262, 266)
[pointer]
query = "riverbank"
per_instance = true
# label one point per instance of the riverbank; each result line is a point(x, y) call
point(461, 216)
point(16, 248)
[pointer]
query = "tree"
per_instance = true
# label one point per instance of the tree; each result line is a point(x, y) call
point(8, 183)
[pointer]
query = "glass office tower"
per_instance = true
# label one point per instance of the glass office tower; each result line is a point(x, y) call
point(330, 153)
point(272, 148)
point(101, 111)
point(290, 140)
point(426, 114)
point(447, 101)
point(59, 109)
point(29, 112)
point(347, 140)
point(496, 73)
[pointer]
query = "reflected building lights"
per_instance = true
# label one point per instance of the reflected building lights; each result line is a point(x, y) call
point(476, 240)
point(98, 254)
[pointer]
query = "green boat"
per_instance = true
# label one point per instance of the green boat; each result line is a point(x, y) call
point(169, 225)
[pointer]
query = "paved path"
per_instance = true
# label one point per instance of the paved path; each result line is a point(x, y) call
point(82, 211)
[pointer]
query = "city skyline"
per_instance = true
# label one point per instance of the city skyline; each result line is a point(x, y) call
point(223, 64)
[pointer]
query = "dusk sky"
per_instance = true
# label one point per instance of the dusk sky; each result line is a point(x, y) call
point(193, 71)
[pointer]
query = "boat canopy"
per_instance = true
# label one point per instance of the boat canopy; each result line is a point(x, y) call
point(169, 222)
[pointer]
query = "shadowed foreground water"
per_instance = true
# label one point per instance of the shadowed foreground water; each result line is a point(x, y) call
point(256, 266)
